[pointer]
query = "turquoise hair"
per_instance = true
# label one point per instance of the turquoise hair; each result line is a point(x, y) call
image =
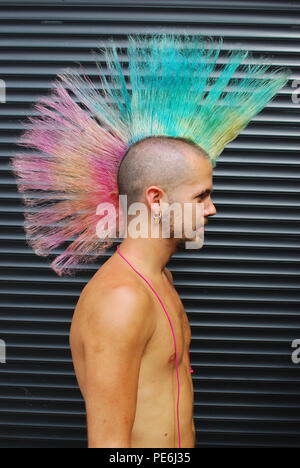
point(178, 89)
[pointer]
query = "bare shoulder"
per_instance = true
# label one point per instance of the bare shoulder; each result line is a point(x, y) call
point(123, 311)
point(122, 300)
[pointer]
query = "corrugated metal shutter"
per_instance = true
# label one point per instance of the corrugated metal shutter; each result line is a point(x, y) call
point(241, 291)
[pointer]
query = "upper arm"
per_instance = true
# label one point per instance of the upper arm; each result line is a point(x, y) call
point(118, 328)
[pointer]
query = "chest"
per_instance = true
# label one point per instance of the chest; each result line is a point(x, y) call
point(172, 329)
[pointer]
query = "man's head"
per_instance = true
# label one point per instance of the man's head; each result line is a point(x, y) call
point(167, 169)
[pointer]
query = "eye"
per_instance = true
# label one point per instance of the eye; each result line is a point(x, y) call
point(203, 195)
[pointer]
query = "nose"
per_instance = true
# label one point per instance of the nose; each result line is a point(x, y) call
point(210, 209)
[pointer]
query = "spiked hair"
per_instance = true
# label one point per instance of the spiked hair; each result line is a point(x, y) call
point(176, 90)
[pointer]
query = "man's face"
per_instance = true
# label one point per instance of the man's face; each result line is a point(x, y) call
point(197, 192)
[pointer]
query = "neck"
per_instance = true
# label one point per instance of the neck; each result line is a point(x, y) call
point(148, 255)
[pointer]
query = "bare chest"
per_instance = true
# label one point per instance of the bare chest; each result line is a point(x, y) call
point(172, 334)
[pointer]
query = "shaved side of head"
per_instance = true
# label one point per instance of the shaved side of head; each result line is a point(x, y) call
point(156, 160)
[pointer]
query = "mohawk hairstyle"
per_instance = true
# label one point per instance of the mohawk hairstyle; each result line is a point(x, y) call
point(80, 145)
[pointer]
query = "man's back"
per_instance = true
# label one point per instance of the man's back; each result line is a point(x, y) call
point(124, 359)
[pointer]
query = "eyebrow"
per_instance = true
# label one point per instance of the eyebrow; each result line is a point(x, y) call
point(207, 191)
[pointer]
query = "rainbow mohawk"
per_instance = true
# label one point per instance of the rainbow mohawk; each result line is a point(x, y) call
point(176, 90)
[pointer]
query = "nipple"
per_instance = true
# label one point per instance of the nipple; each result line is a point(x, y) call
point(191, 370)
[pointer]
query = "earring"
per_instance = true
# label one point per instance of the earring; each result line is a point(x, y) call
point(157, 218)
point(156, 214)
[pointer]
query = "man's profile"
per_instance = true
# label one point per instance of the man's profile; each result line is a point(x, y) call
point(155, 142)
point(120, 338)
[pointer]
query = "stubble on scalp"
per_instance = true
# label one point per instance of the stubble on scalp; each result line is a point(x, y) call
point(156, 160)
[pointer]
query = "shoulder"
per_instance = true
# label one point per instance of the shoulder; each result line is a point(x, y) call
point(123, 310)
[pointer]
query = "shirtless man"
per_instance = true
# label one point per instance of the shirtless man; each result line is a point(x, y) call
point(121, 340)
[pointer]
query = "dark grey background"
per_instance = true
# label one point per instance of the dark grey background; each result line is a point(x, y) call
point(241, 291)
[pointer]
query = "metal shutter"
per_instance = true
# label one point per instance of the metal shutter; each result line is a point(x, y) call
point(241, 291)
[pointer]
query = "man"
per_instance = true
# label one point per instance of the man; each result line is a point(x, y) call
point(156, 143)
point(120, 339)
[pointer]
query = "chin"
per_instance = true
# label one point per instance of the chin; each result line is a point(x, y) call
point(181, 244)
